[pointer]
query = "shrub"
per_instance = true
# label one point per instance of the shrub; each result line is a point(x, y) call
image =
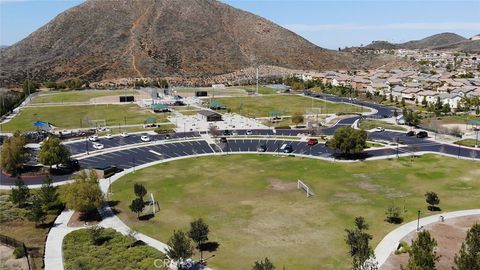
point(19, 252)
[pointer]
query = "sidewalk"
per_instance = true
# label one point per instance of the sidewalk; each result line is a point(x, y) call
point(390, 242)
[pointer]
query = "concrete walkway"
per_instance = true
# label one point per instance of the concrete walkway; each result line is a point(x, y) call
point(54, 243)
point(390, 242)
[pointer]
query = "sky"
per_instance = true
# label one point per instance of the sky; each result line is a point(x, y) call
point(327, 23)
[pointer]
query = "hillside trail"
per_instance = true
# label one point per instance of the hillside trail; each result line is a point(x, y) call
point(138, 22)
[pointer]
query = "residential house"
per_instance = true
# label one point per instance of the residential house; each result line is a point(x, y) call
point(411, 93)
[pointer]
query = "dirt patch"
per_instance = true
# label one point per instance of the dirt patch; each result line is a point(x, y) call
point(349, 197)
point(449, 235)
point(278, 185)
point(8, 261)
point(79, 220)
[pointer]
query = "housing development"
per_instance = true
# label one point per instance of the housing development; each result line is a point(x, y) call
point(234, 149)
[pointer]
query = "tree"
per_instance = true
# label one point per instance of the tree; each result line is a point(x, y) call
point(348, 140)
point(48, 193)
point(422, 253)
point(432, 199)
point(214, 131)
point(20, 193)
point(50, 84)
point(53, 152)
point(199, 233)
point(139, 190)
point(37, 214)
point(14, 153)
point(264, 264)
point(83, 194)
point(137, 206)
point(95, 233)
point(469, 255)
point(297, 118)
point(358, 241)
point(29, 87)
point(180, 247)
point(393, 214)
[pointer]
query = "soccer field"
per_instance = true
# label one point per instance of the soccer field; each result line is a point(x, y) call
point(261, 106)
point(78, 95)
point(255, 210)
point(80, 116)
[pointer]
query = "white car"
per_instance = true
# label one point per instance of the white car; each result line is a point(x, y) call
point(98, 146)
point(124, 134)
point(249, 132)
point(145, 138)
point(93, 138)
point(108, 136)
point(379, 129)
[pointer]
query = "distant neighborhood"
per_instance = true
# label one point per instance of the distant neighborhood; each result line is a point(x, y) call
point(441, 75)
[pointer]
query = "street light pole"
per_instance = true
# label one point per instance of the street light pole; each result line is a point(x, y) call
point(418, 221)
point(86, 144)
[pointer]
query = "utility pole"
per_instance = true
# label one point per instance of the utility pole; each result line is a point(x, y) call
point(256, 92)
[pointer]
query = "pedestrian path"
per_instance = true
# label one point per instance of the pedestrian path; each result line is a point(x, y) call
point(390, 242)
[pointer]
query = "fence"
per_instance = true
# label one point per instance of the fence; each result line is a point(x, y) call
point(11, 242)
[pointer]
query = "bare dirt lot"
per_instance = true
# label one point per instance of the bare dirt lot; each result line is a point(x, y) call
point(449, 235)
point(8, 261)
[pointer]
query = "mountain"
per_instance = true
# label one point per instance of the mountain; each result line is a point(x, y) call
point(154, 38)
point(441, 41)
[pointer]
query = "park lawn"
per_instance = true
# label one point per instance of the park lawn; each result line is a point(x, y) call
point(261, 106)
point(254, 209)
point(371, 124)
point(263, 90)
point(467, 142)
point(80, 116)
point(115, 252)
point(227, 91)
point(77, 95)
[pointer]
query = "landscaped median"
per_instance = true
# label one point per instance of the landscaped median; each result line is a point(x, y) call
point(468, 142)
point(371, 124)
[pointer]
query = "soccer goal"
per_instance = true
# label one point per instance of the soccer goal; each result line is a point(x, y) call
point(98, 123)
point(305, 187)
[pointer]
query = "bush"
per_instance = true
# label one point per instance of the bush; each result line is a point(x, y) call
point(19, 252)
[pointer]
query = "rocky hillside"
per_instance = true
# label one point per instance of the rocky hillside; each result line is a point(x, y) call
point(100, 40)
point(436, 42)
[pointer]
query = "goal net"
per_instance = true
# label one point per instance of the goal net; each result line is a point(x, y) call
point(305, 187)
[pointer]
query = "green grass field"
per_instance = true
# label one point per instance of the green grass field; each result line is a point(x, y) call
point(77, 96)
point(79, 116)
point(254, 209)
point(285, 104)
point(370, 124)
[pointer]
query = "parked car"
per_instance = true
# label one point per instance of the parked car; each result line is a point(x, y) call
point(411, 133)
point(249, 132)
point(422, 134)
point(226, 132)
point(124, 134)
point(108, 136)
point(98, 146)
point(287, 148)
point(167, 137)
point(312, 141)
point(145, 138)
point(93, 138)
point(379, 129)
point(234, 133)
point(223, 140)
point(262, 148)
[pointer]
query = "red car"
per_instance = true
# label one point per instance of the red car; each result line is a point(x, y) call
point(312, 141)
